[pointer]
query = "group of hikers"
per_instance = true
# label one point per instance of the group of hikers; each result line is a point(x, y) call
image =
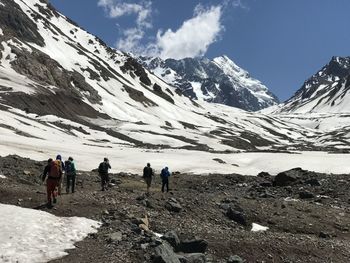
point(56, 170)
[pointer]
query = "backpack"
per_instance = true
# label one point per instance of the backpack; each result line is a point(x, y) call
point(162, 174)
point(103, 168)
point(55, 169)
point(69, 168)
point(147, 172)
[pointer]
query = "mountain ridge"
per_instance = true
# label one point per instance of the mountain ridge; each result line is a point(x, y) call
point(323, 92)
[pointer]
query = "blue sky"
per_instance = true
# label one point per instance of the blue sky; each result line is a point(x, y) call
point(280, 42)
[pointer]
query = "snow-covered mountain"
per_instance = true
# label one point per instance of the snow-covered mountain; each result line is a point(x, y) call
point(64, 90)
point(219, 80)
point(328, 91)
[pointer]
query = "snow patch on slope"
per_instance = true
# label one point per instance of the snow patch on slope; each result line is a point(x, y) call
point(258, 228)
point(37, 236)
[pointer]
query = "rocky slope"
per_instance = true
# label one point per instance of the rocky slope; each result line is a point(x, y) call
point(327, 91)
point(203, 218)
point(219, 80)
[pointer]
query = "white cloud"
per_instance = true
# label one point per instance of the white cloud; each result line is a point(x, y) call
point(192, 39)
point(131, 40)
point(131, 37)
point(117, 8)
point(195, 35)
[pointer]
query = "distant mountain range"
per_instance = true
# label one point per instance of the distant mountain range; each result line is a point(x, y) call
point(61, 86)
point(219, 80)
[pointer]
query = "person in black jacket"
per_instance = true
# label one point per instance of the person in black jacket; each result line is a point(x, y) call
point(147, 176)
point(103, 172)
point(70, 174)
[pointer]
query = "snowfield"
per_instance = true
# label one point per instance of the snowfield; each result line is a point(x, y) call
point(132, 160)
point(36, 236)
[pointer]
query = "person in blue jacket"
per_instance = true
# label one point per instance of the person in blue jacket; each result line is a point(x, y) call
point(165, 174)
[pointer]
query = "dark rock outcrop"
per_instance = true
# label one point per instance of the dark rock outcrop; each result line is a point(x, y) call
point(172, 239)
point(237, 216)
point(173, 205)
point(287, 178)
point(306, 195)
point(17, 24)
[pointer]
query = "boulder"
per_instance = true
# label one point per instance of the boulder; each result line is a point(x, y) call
point(306, 195)
point(287, 177)
point(224, 206)
point(235, 259)
point(193, 246)
point(237, 216)
point(164, 253)
point(263, 174)
point(173, 205)
point(324, 235)
point(147, 203)
point(172, 238)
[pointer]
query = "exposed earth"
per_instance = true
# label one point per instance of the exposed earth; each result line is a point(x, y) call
point(308, 215)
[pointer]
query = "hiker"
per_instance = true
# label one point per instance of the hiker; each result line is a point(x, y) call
point(53, 171)
point(59, 185)
point(165, 173)
point(103, 172)
point(70, 174)
point(147, 176)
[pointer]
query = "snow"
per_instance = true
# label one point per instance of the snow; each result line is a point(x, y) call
point(243, 79)
point(2, 176)
point(29, 235)
point(130, 159)
point(45, 138)
point(9, 77)
point(258, 228)
point(1, 32)
point(197, 89)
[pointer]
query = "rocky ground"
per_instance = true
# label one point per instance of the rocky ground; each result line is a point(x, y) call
point(204, 218)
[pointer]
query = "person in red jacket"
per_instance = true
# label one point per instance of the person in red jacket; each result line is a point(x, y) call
point(53, 172)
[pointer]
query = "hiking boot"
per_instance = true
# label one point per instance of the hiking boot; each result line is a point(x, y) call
point(49, 205)
point(54, 200)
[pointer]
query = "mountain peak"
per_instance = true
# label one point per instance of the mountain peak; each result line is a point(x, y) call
point(219, 80)
point(326, 91)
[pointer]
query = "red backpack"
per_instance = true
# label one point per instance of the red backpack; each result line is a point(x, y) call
point(55, 169)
